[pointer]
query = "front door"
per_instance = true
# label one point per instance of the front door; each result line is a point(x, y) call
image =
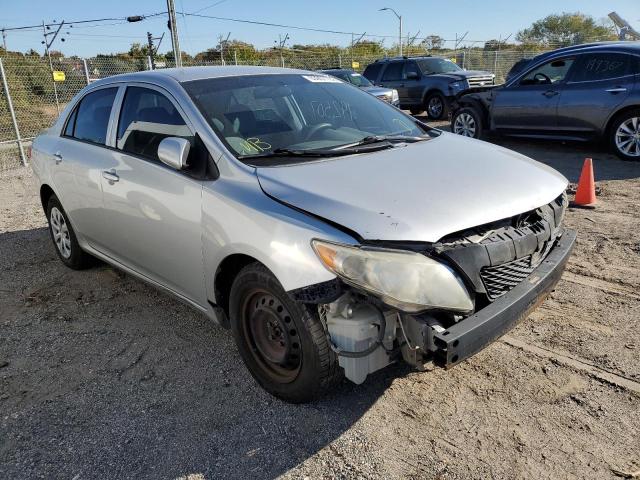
point(531, 102)
point(392, 78)
point(153, 211)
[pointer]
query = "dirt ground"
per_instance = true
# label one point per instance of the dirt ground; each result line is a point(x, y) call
point(102, 376)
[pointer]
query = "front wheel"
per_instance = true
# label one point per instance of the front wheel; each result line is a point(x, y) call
point(436, 106)
point(624, 135)
point(282, 342)
point(467, 122)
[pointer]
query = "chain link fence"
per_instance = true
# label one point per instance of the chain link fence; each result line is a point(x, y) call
point(31, 100)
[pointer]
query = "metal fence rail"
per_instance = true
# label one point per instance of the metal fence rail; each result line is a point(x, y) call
point(31, 100)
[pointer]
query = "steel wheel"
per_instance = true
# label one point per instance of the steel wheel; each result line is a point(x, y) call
point(465, 125)
point(627, 137)
point(272, 336)
point(60, 232)
point(435, 107)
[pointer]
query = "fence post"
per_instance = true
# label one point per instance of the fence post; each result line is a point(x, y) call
point(86, 70)
point(23, 157)
point(495, 65)
point(340, 60)
point(464, 57)
point(149, 63)
point(235, 57)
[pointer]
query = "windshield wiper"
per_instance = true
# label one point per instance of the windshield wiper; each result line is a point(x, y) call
point(286, 152)
point(388, 139)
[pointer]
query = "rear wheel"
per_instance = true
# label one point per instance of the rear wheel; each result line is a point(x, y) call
point(64, 238)
point(282, 342)
point(467, 122)
point(624, 135)
point(436, 106)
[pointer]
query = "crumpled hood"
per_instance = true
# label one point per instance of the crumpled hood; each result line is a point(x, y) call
point(416, 192)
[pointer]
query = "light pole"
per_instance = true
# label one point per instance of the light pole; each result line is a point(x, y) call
point(400, 33)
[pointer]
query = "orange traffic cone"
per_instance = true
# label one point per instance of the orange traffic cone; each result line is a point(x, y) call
point(586, 191)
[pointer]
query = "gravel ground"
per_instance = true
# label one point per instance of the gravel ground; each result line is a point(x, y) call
point(102, 376)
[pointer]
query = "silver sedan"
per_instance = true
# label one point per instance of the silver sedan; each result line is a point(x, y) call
point(331, 232)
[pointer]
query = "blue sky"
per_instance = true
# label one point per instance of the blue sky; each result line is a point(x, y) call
point(492, 19)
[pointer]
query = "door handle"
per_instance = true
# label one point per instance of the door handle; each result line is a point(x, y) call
point(58, 158)
point(111, 176)
point(616, 90)
point(550, 93)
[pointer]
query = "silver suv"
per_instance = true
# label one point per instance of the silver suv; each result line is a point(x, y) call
point(331, 232)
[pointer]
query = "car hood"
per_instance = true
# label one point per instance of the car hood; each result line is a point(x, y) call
point(416, 192)
point(377, 91)
point(463, 75)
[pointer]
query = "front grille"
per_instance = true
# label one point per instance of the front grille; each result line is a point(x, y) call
point(500, 279)
point(475, 82)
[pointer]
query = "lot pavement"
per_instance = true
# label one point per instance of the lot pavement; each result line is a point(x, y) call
point(102, 376)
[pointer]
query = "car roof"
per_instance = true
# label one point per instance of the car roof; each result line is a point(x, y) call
point(187, 74)
point(414, 57)
point(336, 70)
point(623, 46)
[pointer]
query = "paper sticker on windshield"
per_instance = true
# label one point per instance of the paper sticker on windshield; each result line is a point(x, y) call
point(321, 78)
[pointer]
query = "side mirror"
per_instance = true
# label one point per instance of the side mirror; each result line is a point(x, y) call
point(173, 151)
point(412, 76)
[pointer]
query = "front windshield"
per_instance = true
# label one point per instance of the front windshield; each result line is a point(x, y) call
point(437, 65)
point(259, 114)
point(359, 81)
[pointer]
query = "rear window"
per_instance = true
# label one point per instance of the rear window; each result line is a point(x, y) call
point(90, 120)
point(393, 72)
point(602, 66)
point(372, 71)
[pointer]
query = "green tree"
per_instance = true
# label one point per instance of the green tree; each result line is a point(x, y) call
point(566, 29)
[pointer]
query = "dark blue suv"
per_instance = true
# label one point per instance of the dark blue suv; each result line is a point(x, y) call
point(576, 93)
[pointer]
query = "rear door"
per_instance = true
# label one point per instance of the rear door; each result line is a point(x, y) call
point(599, 83)
point(392, 77)
point(153, 211)
point(80, 158)
point(531, 102)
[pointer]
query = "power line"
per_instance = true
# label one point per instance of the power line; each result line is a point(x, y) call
point(129, 19)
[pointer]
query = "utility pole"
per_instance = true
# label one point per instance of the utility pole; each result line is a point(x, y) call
point(47, 46)
point(173, 26)
point(281, 44)
point(222, 43)
point(150, 43)
point(4, 40)
point(400, 30)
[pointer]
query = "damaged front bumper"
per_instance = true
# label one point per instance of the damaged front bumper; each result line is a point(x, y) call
point(469, 336)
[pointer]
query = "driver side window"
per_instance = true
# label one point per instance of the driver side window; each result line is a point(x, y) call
point(550, 73)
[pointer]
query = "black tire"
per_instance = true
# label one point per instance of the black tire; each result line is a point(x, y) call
point(436, 106)
point(282, 342)
point(68, 249)
point(613, 134)
point(416, 110)
point(470, 117)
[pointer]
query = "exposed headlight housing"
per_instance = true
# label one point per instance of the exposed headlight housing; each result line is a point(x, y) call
point(409, 281)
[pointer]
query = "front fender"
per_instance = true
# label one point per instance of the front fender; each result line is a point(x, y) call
point(239, 218)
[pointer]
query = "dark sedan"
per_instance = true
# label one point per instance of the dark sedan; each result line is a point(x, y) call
point(387, 94)
point(578, 93)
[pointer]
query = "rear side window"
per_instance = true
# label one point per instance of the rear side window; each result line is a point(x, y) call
point(90, 120)
point(372, 71)
point(393, 72)
point(602, 66)
point(146, 118)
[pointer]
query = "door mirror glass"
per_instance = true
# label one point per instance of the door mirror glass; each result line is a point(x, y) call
point(412, 75)
point(173, 151)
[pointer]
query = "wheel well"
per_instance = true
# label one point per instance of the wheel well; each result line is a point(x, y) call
point(225, 275)
point(45, 194)
point(477, 106)
point(622, 111)
point(431, 91)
